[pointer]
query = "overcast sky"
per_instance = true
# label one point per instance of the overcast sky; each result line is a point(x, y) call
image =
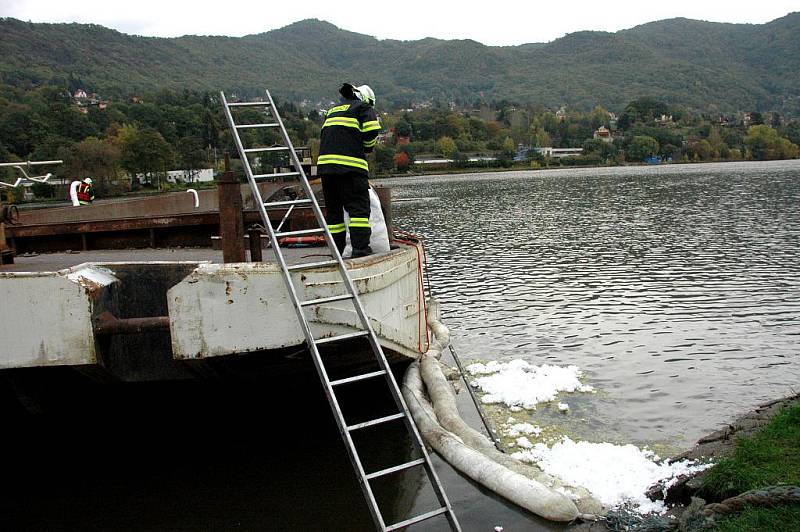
point(498, 22)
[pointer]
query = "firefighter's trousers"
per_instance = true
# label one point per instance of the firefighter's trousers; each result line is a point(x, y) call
point(348, 192)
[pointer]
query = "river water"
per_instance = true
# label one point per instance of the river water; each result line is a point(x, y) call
point(676, 289)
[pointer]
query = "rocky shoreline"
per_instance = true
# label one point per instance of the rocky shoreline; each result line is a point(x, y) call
point(720, 443)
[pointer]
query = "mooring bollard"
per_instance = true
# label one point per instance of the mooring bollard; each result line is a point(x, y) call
point(254, 236)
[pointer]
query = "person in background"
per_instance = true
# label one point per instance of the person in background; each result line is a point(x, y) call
point(348, 134)
point(85, 192)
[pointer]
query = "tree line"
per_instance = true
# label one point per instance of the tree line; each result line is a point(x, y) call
point(646, 129)
point(186, 130)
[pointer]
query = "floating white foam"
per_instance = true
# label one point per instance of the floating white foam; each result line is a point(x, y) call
point(520, 384)
point(615, 474)
point(515, 429)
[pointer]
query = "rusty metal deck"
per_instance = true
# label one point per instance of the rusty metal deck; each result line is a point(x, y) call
point(59, 261)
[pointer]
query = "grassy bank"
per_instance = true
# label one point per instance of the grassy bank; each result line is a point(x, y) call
point(770, 457)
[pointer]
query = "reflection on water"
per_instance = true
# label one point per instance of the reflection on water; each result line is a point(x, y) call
point(676, 288)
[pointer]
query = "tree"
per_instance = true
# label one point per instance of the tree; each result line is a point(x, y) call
point(765, 144)
point(384, 158)
point(602, 149)
point(402, 161)
point(447, 146)
point(703, 150)
point(641, 147)
point(402, 128)
point(793, 131)
point(408, 150)
point(191, 155)
point(145, 152)
point(509, 148)
point(94, 158)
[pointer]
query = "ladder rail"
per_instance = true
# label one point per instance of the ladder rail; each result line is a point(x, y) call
point(350, 288)
point(316, 358)
point(365, 320)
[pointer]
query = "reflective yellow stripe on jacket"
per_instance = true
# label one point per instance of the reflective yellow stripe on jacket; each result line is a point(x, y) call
point(355, 162)
point(370, 126)
point(342, 121)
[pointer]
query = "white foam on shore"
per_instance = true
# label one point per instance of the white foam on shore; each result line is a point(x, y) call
point(614, 474)
point(520, 384)
point(513, 429)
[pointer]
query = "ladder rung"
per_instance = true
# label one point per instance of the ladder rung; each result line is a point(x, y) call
point(248, 104)
point(274, 148)
point(323, 300)
point(394, 469)
point(359, 377)
point(287, 203)
point(280, 174)
point(317, 231)
point(347, 336)
point(311, 265)
point(251, 126)
point(378, 421)
point(419, 518)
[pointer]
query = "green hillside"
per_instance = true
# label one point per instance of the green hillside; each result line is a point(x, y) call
point(707, 66)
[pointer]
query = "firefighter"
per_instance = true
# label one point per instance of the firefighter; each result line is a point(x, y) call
point(85, 192)
point(348, 134)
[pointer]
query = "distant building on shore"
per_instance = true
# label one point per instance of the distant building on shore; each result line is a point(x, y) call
point(603, 134)
point(557, 153)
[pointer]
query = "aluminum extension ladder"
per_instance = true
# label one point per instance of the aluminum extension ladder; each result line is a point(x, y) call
point(364, 478)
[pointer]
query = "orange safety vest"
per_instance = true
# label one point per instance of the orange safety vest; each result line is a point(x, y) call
point(84, 193)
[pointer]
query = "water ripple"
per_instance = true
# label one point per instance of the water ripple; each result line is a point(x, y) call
point(683, 279)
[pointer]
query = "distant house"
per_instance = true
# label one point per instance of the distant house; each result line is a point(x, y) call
point(561, 114)
point(557, 153)
point(386, 136)
point(202, 175)
point(80, 94)
point(603, 134)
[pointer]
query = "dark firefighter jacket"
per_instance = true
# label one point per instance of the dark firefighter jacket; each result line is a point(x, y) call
point(348, 134)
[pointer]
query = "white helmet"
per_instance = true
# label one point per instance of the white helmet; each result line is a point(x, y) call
point(88, 180)
point(365, 93)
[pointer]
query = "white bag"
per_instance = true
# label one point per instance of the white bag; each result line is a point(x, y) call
point(379, 240)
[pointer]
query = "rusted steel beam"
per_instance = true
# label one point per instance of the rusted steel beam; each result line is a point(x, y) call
point(106, 324)
point(231, 221)
point(101, 226)
point(128, 224)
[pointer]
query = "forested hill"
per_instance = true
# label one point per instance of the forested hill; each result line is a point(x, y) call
point(707, 66)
